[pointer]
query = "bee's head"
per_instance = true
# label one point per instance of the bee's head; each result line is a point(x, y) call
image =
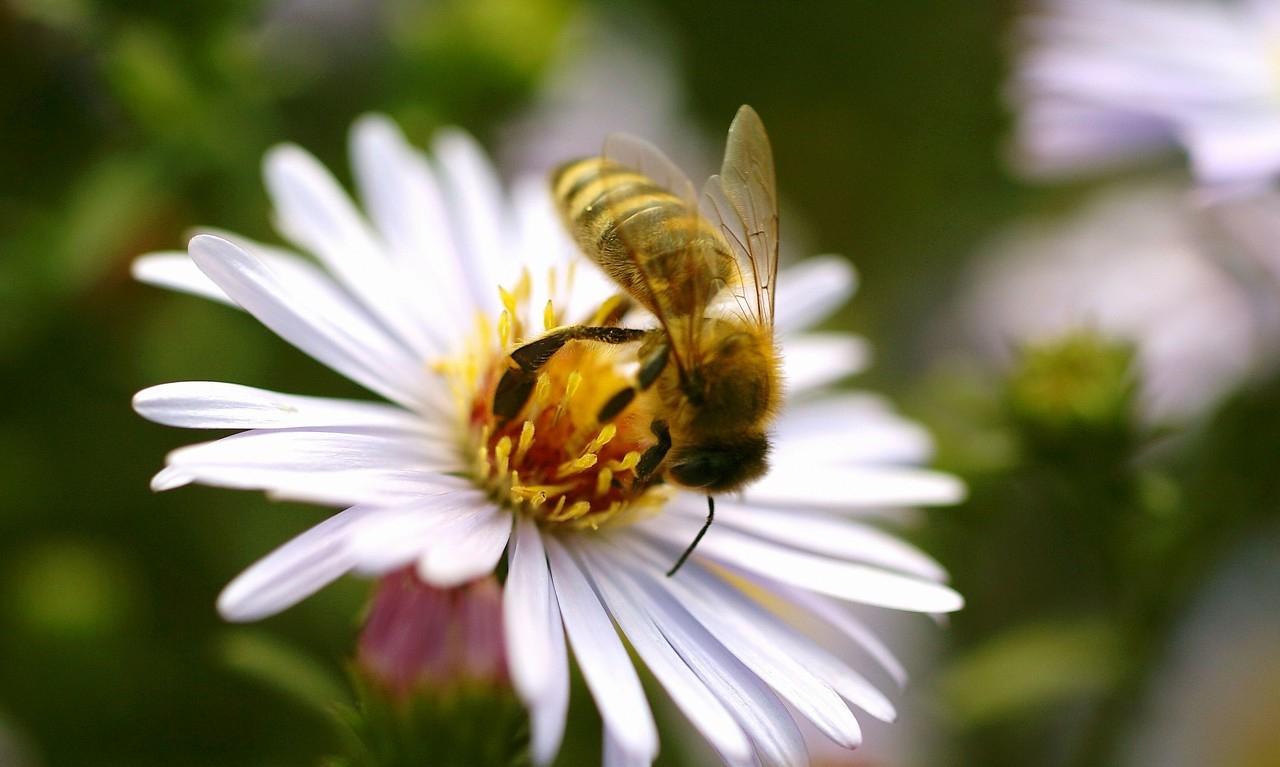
point(721, 465)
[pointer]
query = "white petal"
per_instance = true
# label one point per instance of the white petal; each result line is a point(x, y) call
point(852, 487)
point(319, 324)
point(1060, 138)
point(811, 290)
point(849, 428)
point(403, 198)
point(752, 623)
point(838, 617)
point(316, 213)
point(176, 271)
point(817, 532)
point(1246, 150)
point(478, 211)
point(301, 274)
point(212, 405)
point(690, 695)
point(845, 580)
point(744, 615)
point(376, 487)
point(799, 685)
point(615, 755)
point(811, 360)
point(292, 572)
point(466, 549)
point(300, 462)
point(604, 663)
point(535, 641)
point(404, 533)
point(763, 717)
point(319, 451)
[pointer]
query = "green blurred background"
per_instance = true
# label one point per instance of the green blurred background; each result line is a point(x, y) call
point(1088, 544)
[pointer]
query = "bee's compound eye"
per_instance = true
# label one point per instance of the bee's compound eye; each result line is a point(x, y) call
point(720, 466)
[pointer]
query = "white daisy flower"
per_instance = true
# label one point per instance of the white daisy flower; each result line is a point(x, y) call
point(1250, 242)
point(1102, 82)
point(407, 303)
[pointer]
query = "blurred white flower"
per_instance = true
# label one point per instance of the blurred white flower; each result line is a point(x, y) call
point(1103, 82)
point(1130, 264)
point(1214, 702)
point(14, 750)
point(1250, 244)
point(408, 304)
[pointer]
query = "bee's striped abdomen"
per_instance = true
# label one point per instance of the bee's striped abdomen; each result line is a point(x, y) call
point(645, 238)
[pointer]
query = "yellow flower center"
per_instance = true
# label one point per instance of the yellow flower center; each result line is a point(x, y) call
point(554, 461)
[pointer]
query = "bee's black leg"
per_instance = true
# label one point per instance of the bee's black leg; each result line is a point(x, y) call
point(653, 366)
point(652, 458)
point(517, 383)
point(650, 369)
point(711, 515)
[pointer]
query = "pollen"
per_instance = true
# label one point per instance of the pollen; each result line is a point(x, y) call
point(554, 462)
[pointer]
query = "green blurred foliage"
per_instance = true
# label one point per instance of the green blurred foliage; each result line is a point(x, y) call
point(1008, 676)
point(466, 727)
point(129, 123)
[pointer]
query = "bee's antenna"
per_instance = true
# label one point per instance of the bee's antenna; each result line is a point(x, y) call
point(711, 515)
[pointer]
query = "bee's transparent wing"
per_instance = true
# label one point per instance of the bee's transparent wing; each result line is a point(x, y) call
point(636, 153)
point(743, 201)
point(677, 291)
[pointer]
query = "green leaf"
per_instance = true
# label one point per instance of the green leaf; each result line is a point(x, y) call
point(1029, 668)
point(286, 669)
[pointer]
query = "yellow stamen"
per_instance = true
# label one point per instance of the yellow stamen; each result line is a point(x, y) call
point(533, 495)
point(604, 480)
point(541, 393)
point(508, 300)
point(578, 509)
point(594, 520)
point(576, 466)
point(549, 316)
point(504, 329)
point(526, 441)
point(607, 307)
point(571, 386)
point(502, 452)
point(602, 439)
point(627, 463)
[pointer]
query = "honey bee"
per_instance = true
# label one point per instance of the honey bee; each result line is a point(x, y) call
point(706, 271)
